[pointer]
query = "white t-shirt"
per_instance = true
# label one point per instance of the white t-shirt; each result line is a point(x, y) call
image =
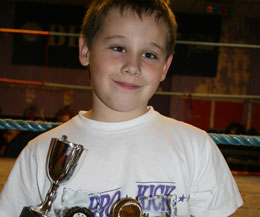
point(139, 158)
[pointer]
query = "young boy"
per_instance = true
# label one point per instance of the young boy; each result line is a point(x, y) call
point(133, 151)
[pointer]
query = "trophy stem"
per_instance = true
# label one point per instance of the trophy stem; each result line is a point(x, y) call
point(45, 207)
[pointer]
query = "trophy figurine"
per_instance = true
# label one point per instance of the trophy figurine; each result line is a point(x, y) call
point(62, 160)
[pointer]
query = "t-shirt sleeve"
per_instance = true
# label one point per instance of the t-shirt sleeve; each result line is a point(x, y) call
point(214, 192)
point(21, 187)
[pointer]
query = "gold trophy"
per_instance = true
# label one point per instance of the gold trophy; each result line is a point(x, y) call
point(62, 160)
point(127, 207)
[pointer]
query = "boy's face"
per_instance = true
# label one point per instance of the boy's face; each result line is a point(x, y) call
point(127, 61)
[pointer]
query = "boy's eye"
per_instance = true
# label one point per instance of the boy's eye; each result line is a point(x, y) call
point(149, 55)
point(119, 49)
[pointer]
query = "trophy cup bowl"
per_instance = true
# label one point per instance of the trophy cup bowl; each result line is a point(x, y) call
point(62, 160)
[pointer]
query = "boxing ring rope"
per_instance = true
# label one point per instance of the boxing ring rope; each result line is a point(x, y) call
point(166, 93)
point(232, 45)
point(199, 43)
point(222, 139)
point(40, 126)
point(78, 87)
point(36, 32)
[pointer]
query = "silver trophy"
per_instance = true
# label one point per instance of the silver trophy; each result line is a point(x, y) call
point(62, 160)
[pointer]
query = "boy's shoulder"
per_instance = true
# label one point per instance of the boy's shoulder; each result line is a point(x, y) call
point(185, 133)
point(181, 126)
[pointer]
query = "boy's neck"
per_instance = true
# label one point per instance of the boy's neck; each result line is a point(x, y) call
point(113, 116)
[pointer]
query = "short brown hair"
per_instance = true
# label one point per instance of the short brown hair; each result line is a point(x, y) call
point(98, 10)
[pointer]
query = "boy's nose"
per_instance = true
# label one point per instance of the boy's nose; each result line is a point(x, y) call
point(132, 67)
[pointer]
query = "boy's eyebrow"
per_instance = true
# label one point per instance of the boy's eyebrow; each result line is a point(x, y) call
point(157, 46)
point(114, 37)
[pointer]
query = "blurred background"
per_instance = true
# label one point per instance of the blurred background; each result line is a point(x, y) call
point(215, 88)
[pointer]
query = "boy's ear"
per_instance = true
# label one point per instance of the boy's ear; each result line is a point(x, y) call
point(83, 51)
point(166, 67)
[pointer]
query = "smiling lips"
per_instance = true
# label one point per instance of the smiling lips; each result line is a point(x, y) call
point(127, 86)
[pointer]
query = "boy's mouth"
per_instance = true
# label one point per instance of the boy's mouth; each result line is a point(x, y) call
point(126, 85)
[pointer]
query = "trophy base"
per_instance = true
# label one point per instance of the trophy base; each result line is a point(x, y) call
point(28, 212)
